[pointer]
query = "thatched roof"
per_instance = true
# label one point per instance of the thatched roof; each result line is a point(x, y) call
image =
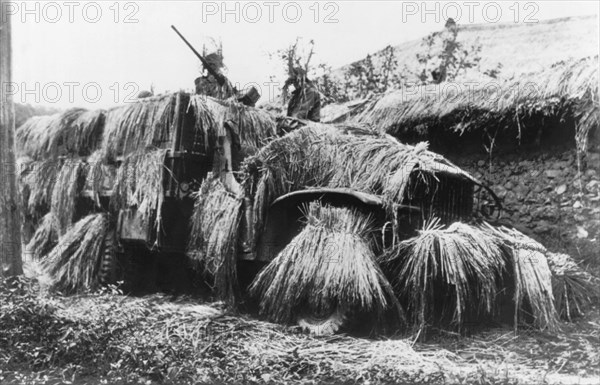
point(520, 47)
point(564, 89)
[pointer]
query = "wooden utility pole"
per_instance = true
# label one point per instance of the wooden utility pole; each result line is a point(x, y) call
point(10, 217)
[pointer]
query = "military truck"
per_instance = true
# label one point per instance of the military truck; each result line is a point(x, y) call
point(245, 194)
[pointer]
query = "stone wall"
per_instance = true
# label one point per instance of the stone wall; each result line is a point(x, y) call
point(544, 197)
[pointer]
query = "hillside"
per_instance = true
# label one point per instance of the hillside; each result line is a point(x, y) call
point(520, 48)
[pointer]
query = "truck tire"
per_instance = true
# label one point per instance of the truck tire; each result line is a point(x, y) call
point(322, 325)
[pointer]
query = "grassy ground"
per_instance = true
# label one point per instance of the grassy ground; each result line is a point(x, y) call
point(110, 338)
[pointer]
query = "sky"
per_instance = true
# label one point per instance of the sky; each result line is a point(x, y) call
point(96, 54)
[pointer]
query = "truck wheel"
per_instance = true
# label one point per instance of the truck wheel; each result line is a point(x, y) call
point(108, 261)
point(322, 324)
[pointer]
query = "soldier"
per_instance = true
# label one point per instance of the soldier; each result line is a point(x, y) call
point(306, 99)
point(215, 86)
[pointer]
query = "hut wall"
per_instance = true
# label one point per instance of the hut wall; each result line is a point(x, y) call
point(543, 195)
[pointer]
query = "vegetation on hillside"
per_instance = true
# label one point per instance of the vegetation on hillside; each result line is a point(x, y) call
point(443, 57)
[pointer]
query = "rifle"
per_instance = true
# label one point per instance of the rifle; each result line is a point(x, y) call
point(221, 79)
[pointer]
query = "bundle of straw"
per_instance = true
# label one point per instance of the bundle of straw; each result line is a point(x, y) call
point(37, 182)
point(32, 136)
point(214, 235)
point(574, 289)
point(68, 186)
point(147, 122)
point(73, 263)
point(75, 131)
point(207, 127)
point(330, 265)
point(83, 135)
point(139, 183)
point(533, 279)
point(56, 132)
point(97, 171)
point(461, 257)
point(255, 127)
point(44, 238)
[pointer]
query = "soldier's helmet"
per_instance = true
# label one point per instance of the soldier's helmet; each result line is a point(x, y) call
point(299, 72)
point(145, 94)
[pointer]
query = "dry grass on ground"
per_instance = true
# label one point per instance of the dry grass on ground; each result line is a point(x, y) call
point(110, 338)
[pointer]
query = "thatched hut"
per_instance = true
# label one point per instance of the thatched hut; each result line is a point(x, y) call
point(522, 110)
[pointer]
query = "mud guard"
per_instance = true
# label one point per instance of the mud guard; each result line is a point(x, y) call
point(282, 222)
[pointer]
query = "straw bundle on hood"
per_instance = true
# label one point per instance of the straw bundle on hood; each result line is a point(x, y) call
point(329, 266)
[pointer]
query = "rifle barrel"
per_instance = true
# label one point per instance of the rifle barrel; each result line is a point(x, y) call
point(188, 43)
point(220, 78)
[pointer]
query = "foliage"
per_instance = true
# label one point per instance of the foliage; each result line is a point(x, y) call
point(297, 54)
point(446, 57)
point(332, 90)
point(376, 74)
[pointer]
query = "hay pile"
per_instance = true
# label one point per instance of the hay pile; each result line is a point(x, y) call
point(214, 235)
point(74, 262)
point(329, 266)
point(565, 89)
